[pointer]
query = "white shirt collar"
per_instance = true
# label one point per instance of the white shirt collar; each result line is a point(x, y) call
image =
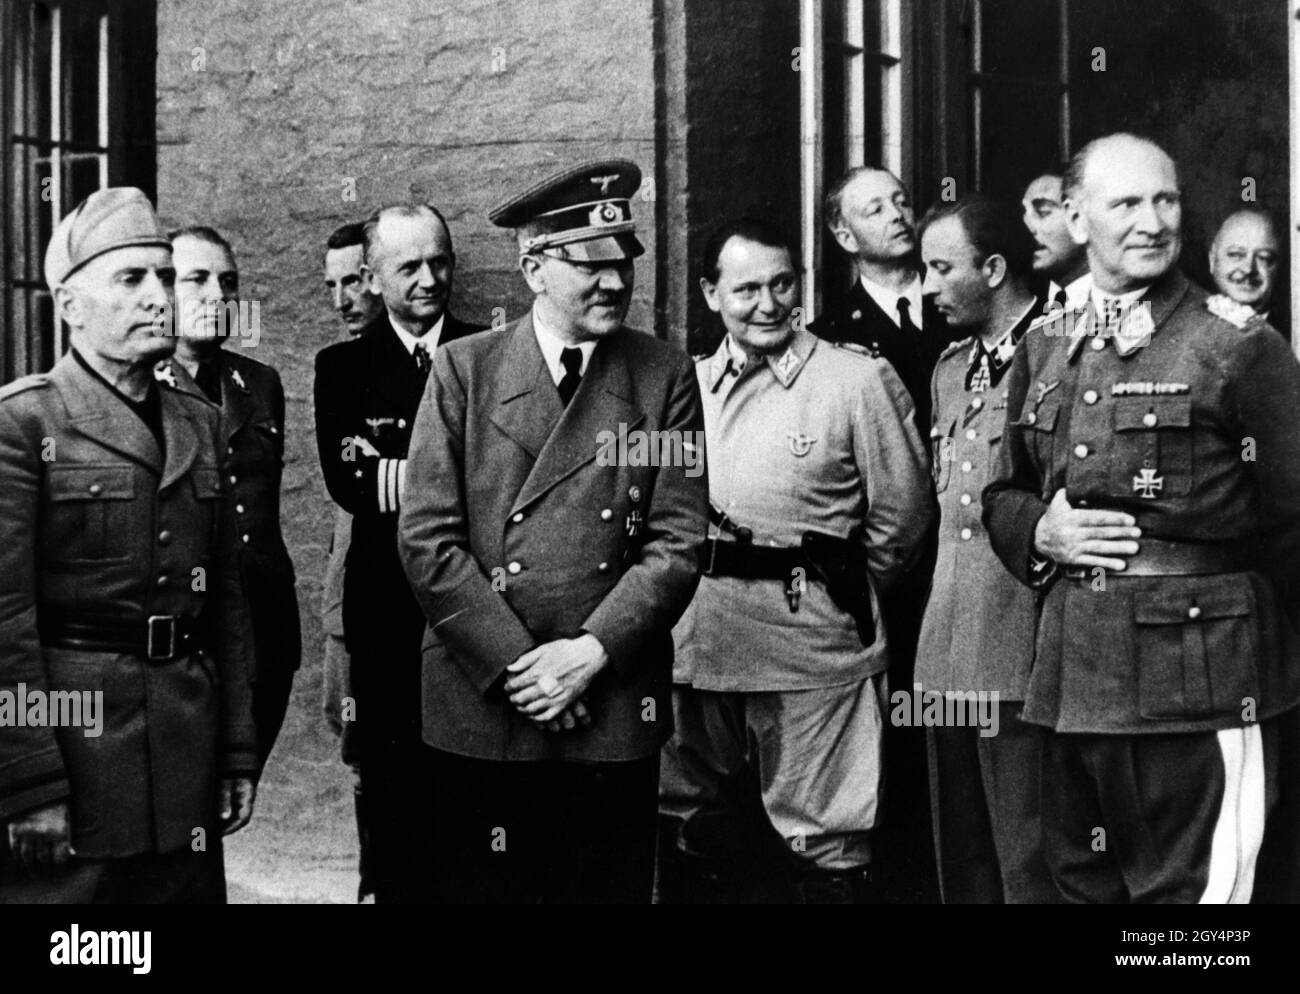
point(887, 299)
point(1077, 290)
point(552, 346)
point(430, 337)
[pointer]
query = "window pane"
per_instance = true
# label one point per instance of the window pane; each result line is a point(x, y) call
point(81, 79)
point(1021, 37)
point(37, 113)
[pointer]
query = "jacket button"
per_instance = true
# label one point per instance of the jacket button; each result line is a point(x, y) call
point(606, 515)
point(1081, 451)
point(1149, 419)
point(233, 479)
point(401, 423)
point(1098, 344)
point(230, 451)
point(164, 537)
point(514, 568)
point(1031, 418)
point(162, 580)
point(970, 434)
point(245, 537)
point(977, 403)
point(965, 500)
point(1193, 612)
point(239, 508)
point(967, 466)
point(96, 490)
point(603, 568)
point(965, 534)
point(1090, 396)
point(519, 516)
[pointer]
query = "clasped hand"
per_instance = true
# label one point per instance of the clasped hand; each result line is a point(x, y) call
point(547, 683)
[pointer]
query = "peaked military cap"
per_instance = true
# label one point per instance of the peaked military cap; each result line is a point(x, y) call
point(583, 214)
point(112, 218)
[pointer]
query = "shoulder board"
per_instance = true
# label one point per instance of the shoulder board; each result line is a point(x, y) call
point(955, 347)
point(856, 348)
point(32, 382)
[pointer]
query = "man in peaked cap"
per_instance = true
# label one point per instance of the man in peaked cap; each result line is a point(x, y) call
point(551, 565)
point(119, 592)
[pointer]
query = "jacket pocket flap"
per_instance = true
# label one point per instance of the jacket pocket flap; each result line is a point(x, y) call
point(1185, 607)
point(1146, 413)
point(207, 482)
point(1042, 418)
point(91, 483)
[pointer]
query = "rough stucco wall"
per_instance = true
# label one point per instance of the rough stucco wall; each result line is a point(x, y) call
point(460, 103)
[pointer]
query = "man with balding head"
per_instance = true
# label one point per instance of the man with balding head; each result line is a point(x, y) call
point(1245, 260)
point(1149, 488)
point(124, 640)
point(367, 392)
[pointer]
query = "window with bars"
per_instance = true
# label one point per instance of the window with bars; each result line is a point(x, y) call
point(857, 110)
point(76, 102)
point(1019, 89)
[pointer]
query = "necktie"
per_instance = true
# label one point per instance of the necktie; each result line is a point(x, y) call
point(905, 321)
point(209, 381)
point(422, 358)
point(571, 360)
point(1061, 297)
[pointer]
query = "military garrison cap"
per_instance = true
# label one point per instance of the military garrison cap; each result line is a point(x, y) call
point(584, 213)
point(112, 218)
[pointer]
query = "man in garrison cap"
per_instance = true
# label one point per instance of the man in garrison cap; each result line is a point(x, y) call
point(552, 555)
point(126, 737)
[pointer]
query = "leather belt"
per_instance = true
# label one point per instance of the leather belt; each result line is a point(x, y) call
point(751, 562)
point(160, 638)
point(1157, 557)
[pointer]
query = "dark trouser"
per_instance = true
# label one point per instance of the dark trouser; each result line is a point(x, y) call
point(396, 809)
point(546, 831)
point(903, 850)
point(984, 799)
point(270, 703)
point(1278, 878)
point(1154, 819)
point(182, 877)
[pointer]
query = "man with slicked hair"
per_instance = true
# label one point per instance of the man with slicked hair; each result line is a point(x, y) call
point(367, 392)
point(1148, 487)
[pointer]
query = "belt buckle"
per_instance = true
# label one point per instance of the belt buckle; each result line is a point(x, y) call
point(155, 627)
point(713, 554)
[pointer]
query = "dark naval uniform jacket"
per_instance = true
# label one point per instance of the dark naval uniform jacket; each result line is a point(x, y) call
point(1197, 435)
point(252, 465)
point(858, 319)
point(369, 387)
point(514, 533)
point(978, 629)
point(101, 525)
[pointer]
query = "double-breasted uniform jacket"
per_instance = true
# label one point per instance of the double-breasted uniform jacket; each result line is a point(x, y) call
point(818, 438)
point(978, 628)
point(252, 465)
point(514, 533)
point(1197, 435)
point(369, 387)
point(100, 525)
point(858, 319)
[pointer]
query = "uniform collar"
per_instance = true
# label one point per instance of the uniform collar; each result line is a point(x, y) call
point(731, 360)
point(997, 360)
point(1162, 297)
point(429, 338)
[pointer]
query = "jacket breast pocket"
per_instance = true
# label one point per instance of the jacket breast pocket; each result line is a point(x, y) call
point(270, 439)
point(1152, 453)
point(942, 453)
point(208, 494)
point(1197, 647)
point(90, 511)
point(1038, 425)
